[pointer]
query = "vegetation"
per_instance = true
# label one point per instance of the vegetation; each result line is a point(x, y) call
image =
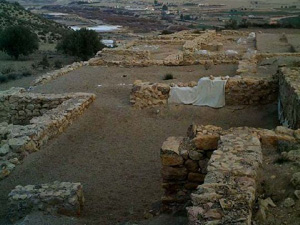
point(13, 14)
point(168, 76)
point(9, 73)
point(82, 43)
point(18, 40)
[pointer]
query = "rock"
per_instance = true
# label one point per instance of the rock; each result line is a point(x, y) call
point(196, 177)
point(284, 130)
point(288, 202)
point(206, 142)
point(191, 165)
point(170, 155)
point(4, 149)
point(5, 169)
point(297, 194)
point(293, 155)
point(172, 173)
point(296, 180)
point(17, 144)
point(195, 155)
point(297, 134)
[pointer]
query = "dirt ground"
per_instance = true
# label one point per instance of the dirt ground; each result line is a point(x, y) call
point(275, 184)
point(113, 149)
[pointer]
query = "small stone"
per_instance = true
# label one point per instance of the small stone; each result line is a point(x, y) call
point(296, 180)
point(297, 193)
point(288, 202)
point(4, 150)
point(195, 155)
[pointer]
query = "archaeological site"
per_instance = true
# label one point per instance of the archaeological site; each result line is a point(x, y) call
point(193, 127)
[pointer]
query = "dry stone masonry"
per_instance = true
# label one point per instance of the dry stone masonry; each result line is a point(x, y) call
point(55, 198)
point(184, 162)
point(216, 171)
point(228, 193)
point(29, 120)
point(238, 91)
point(289, 96)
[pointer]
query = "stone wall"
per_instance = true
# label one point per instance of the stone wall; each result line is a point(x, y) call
point(20, 108)
point(215, 171)
point(54, 198)
point(17, 141)
point(289, 95)
point(57, 73)
point(184, 162)
point(238, 91)
point(229, 190)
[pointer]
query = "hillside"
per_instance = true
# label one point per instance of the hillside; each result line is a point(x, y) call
point(14, 14)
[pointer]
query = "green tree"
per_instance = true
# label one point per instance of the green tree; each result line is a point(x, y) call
point(82, 43)
point(18, 40)
point(165, 8)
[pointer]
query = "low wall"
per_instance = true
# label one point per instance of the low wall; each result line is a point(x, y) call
point(229, 190)
point(184, 162)
point(54, 198)
point(20, 108)
point(17, 141)
point(57, 73)
point(238, 91)
point(289, 96)
point(216, 171)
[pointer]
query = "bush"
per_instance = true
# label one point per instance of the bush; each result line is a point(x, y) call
point(7, 70)
point(18, 40)
point(231, 24)
point(168, 76)
point(3, 78)
point(165, 32)
point(12, 76)
point(58, 64)
point(26, 73)
point(82, 43)
point(44, 63)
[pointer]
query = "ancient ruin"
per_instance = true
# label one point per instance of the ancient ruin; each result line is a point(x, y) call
point(214, 174)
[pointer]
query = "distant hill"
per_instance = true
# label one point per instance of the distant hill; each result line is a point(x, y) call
point(47, 2)
point(15, 14)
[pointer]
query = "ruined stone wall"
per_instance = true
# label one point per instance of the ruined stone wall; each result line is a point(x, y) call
point(18, 108)
point(142, 55)
point(206, 37)
point(216, 171)
point(17, 141)
point(238, 91)
point(57, 73)
point(184, 162)
point(289, 95)
point(229, 190)
point(55, 198)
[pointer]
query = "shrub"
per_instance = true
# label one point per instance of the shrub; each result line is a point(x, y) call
point(7, 70)
point(58, 64)
point(165, 32)
point(18, 40)
point(12, 76)
point(82, 43)
point(26, 73)
point(168, 76)
point(3, 78)
point(44, 63)
point(231, 24)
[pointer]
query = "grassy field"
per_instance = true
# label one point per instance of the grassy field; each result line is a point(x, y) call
point(32, 65)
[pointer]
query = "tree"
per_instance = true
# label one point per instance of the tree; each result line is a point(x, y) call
point(165, 8)
point(18, 40)
point(82, 43)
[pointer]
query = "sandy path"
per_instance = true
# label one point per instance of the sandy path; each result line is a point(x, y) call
point(113, 149)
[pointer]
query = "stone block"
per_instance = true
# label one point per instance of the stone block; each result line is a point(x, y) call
point(174, 173)
point(206, 142)
point(196, 177)
point(55, 198)
point(191, 165)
